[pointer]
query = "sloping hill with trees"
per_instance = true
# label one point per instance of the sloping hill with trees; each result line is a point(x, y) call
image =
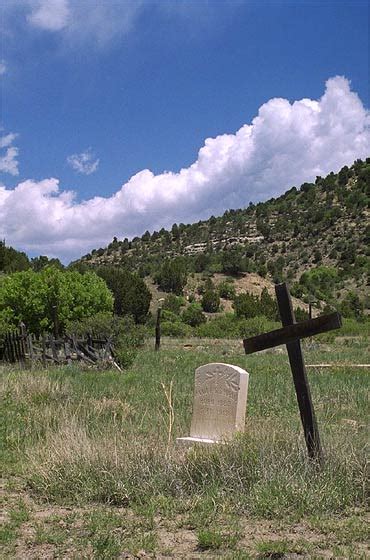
point(315, 236)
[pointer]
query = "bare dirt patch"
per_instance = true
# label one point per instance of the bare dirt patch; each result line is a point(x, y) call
point(63, 532)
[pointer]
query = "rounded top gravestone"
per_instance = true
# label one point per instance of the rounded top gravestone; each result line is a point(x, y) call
point(220, 398)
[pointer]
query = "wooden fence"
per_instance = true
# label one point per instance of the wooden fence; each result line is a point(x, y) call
point(24, 348)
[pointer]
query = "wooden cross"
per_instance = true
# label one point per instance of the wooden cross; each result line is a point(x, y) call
point(290, 334)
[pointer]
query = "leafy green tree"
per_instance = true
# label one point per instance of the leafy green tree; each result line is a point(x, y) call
point(131, 295)
point(36, 298)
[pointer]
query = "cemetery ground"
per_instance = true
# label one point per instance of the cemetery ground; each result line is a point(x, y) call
point(91, 470)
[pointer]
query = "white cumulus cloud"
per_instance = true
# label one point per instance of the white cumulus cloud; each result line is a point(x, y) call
point(84, 163)
point(96, 22)
point(284, 145)
point(52, 15)
point(8, 154)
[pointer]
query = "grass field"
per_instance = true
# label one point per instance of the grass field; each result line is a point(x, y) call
point(90, 468)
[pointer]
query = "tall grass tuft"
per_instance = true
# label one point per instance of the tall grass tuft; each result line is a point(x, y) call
point(86, 436)
point(264, 478)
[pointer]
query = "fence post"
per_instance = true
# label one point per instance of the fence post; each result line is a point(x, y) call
point(158, 328)
point(30, 349)
point(23, 341)
point(53, 349)
point(13, 347)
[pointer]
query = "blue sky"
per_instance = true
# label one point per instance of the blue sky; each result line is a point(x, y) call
point(93, 93)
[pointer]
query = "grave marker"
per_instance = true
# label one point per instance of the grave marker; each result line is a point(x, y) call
point(220, 398)
point(290, 334)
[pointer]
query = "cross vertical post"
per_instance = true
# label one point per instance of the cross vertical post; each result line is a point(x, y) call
point(302, 388)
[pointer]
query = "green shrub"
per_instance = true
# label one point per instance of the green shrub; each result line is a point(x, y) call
point(300, 314)
point(130, 338)
point(226, 290)
point(99, 325)
point(193, 315)
point(131, 295)
point(210, 301)
point(170, 316)
point(126, 335)
point(173, 303)
point(268, 306)
point(352, 327)
point(320, 281)
point(225, 326)
point(172, 275)
point(351, 306)
point(232, 260)
point(256, 325)
point(175, 329)
point(246, 306)
point(230, 326)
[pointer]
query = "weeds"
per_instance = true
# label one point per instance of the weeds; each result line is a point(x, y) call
point(107, 439)
point(209, 540)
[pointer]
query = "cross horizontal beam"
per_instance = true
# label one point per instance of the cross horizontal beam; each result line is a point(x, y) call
point(292, 332)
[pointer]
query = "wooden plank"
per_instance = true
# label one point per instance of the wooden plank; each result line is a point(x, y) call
point(6, 350)
point(86, 352)
point(67, 352)
point(292, 332)
point(6, 347)
point(23, 334)
point(53, 349)
point(43, 350)
point(301, 385)
point(30, 348)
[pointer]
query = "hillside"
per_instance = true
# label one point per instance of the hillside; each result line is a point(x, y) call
point(319, 226)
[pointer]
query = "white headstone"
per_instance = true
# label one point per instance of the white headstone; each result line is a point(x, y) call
point(220, 399)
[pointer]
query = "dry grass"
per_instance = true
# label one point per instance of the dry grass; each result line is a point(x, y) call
point(38, 386)
point(79, 439)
